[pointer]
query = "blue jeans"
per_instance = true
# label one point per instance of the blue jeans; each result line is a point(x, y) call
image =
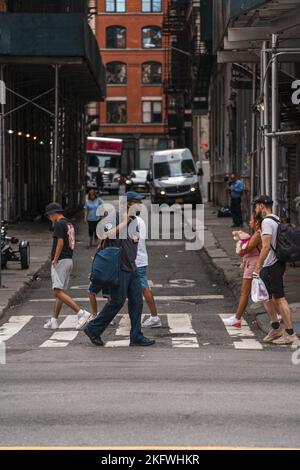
point(130, 288)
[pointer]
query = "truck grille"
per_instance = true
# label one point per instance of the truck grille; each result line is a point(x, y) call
point(177, 189)
point(107, 178)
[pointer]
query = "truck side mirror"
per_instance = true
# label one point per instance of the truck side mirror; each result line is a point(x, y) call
point(200, 172)
point(149, 178)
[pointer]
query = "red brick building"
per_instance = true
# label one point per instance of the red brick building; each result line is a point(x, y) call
point(130, 38)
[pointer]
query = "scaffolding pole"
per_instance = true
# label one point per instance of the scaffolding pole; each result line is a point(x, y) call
point(262, 181)
point(2, 149)
point(275, 123)
point(253, 138)
point(266, 75)
point(56, 136)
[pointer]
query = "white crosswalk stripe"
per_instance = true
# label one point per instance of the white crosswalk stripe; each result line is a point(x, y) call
point(180, 332)
point(244, 335)
point(13, 326)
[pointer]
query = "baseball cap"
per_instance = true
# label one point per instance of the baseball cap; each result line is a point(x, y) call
point(263, 200)
point(53, 208)
point(133, 196)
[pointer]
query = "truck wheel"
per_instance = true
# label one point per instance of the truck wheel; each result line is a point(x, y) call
point(25, 256)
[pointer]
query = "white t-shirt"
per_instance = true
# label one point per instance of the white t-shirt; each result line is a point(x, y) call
point(270, 227)
point(142, 255)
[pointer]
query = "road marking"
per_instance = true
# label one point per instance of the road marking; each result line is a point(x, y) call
point(244, 333)
point(125, 325)
point(180, 323)
point(124, 343)
point(191, 342)
point(60, 339)
point(13, 326)
point(247, 344)
point(181, 298)
point(69, 322)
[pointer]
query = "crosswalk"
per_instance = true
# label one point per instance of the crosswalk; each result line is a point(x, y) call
point(179, 330)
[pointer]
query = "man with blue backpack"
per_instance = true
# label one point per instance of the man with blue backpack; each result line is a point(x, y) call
point(114, 268)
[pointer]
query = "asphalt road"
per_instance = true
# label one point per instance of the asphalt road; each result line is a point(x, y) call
point(198, 386)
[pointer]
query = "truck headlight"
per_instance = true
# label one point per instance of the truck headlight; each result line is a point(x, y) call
point(162, 192)
point(194, 188)
point(128, 182)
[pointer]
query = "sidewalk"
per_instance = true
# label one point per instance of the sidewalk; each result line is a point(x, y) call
point(220, 247)
point(14, 279)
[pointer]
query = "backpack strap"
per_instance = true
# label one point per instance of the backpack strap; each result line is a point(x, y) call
point(275, 220)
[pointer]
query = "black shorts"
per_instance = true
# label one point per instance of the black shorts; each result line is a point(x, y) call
point(92, 229)
point(273, 279)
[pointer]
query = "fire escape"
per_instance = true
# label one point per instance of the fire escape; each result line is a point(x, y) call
point(178, 73)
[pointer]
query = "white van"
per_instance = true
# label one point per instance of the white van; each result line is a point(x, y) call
point(173, 178)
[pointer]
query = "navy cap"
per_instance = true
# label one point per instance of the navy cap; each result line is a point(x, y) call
point(133, 196)
point(263, 200)
point(53, 208)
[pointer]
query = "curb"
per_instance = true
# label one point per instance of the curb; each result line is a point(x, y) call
point(26, 285)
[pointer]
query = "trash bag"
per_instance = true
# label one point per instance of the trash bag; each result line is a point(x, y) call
point(259, 291)
point(224, 212)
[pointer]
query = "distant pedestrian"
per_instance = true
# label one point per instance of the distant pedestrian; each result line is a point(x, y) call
point(142, 264)
point(250, 258)
point(99, 180)
point(121, 231)
point(236, 189)
point(92, 203)
point(62, 265)
point(271, 270)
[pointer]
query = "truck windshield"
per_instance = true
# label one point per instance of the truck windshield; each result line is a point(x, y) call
point(103, 161)
point(165, 170)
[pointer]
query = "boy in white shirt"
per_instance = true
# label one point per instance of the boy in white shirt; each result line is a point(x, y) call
point(142, 263)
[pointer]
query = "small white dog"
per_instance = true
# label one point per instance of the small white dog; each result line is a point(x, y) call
point(241, 238)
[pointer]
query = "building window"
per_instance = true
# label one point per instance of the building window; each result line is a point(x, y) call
point(151, 73)
point(151, 37)
point(116, 73)
point(116, 37)
point(151, 6)
point(115, 6)
point(116, 112)
point(152, 112)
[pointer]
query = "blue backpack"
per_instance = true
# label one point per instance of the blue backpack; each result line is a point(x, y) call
point(106, 267)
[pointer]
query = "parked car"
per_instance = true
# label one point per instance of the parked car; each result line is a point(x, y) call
point(137, 181)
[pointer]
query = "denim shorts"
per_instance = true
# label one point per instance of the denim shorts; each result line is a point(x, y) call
point(94, 289)
point(142, 272)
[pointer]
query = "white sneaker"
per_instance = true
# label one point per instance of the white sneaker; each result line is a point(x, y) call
point(83, 318)
point(233, 321)
point(51, 324)
point(153, 322)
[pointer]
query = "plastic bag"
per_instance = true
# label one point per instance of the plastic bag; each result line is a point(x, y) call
point(259, 291)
